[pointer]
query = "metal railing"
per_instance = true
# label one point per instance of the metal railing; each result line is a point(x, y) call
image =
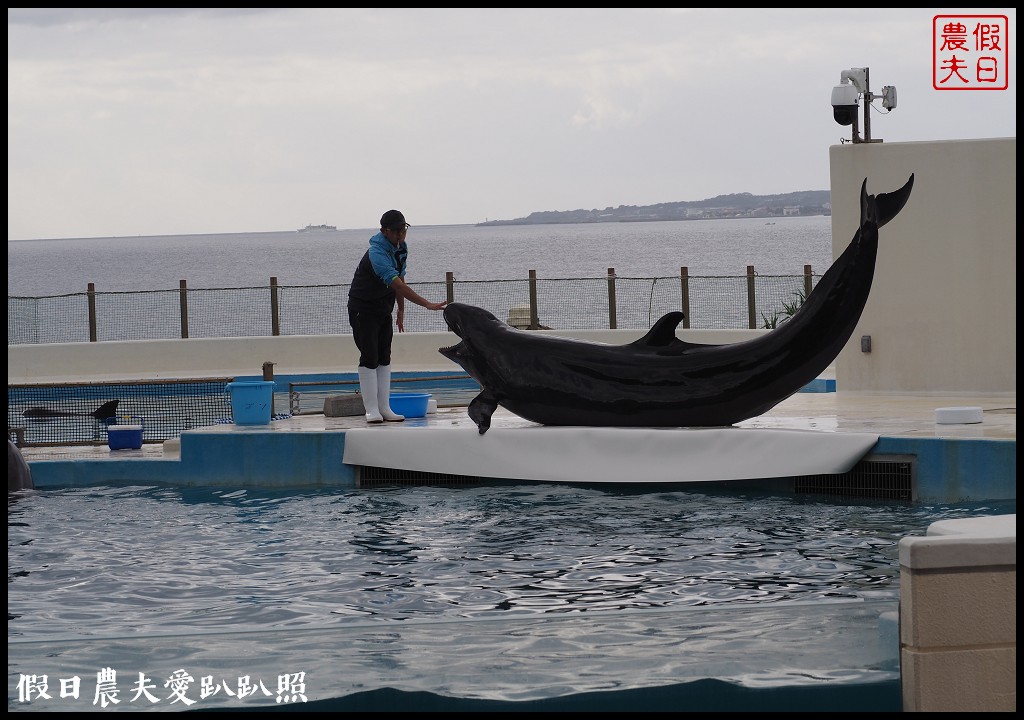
point(715, 302)
point(455, 389)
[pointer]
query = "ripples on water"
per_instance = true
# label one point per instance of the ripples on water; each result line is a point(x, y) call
point(122, 560)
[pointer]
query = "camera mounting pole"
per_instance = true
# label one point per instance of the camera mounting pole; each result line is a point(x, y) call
point(860, 78)
point(868, 97)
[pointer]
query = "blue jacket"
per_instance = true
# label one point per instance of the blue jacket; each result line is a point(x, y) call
point(371, 284)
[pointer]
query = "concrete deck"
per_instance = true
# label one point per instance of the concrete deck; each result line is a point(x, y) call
point(884, 414)
point(952, 463)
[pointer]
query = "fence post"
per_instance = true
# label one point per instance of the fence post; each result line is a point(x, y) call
point(751, 302)
point(808, 281)
point(613, 321)
point(534, 315)
point(449, 283)
point(275, 309)
point(92, 312)
point(183, 307)
point(684, 291)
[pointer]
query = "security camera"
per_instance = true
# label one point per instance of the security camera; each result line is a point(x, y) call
point(844, 103)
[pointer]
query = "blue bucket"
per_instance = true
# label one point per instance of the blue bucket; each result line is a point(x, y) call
point(251, 401)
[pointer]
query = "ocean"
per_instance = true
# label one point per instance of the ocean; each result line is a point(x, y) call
point(779, 246)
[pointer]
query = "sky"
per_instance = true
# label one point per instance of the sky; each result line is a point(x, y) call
point(168, 121)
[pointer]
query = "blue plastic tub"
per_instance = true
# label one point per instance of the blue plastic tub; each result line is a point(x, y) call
point(412, 405)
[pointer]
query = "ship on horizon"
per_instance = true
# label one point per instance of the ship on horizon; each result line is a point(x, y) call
point(318, 228)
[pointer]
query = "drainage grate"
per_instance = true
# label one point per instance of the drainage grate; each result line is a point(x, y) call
point(380, 477)
point(877, 477)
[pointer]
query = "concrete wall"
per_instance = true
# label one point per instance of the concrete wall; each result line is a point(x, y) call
point(291, 355)
point(958, 616)
point(942, 314)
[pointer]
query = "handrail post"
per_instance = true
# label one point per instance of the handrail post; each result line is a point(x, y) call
point(613, 320)
point(534, 315)
point(808, 281)
point(751, 303)
point(684, 292)
point(449, 283)
point(92, 312)
point(183, 307)
point(275, 308)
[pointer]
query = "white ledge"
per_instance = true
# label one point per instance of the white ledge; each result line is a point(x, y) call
point(969, 542)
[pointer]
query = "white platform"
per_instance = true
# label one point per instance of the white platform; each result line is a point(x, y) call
point(609, 455)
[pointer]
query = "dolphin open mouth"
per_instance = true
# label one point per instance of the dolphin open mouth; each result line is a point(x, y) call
point(450, 317)
point(450, 351)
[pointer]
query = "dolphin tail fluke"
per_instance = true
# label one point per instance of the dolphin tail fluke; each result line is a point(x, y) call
point(868, 206)
point(106, 410)
point(890, 204)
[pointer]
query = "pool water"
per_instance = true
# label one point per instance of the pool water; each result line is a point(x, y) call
point(505, 593)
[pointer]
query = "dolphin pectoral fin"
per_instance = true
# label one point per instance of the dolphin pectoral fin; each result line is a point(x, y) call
point(481, 409)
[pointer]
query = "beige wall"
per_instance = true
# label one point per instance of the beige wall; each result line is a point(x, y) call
point(291, 355)
point(942, 312)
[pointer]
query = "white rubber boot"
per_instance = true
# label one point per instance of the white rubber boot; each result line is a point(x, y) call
point(368, 389)
point(384, 394)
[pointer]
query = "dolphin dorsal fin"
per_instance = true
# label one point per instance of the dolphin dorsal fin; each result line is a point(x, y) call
point(663, 333)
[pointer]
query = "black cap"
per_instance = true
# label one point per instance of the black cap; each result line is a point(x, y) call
point(393, 220)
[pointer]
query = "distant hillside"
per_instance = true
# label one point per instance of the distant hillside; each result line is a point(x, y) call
point(806, 202)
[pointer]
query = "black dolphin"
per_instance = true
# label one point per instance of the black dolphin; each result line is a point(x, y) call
point(659, 380)
point(104, 411)
point(19, 474)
